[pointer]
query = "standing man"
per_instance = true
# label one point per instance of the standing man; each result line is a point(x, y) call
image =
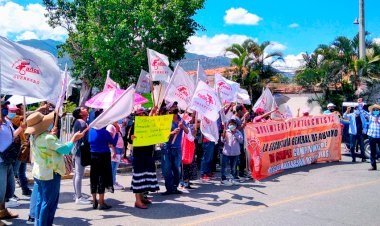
point(172, 154)
point(356, 129)
point(373, 132)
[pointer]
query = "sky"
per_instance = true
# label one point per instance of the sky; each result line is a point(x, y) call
point(293, 27)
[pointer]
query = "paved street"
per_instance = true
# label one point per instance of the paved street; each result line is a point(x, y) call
point(340, 193)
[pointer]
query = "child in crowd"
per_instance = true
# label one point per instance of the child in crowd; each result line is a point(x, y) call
point(232, 139)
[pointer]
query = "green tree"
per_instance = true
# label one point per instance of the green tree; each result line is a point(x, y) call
point(253, 65)
point(114, 34)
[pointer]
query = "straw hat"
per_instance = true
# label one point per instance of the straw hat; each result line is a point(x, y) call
point(376, 106)
point(38, 123)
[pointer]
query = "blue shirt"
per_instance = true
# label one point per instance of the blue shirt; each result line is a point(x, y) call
point(100, 139)
point(373, 125)
point(353, 128)
point(178, 141)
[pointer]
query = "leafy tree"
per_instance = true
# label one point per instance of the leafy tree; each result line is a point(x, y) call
point(114, 34)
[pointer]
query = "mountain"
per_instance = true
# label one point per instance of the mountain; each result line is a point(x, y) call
point(189, 63)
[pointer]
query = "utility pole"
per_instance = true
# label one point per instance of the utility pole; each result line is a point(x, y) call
point(361, 31)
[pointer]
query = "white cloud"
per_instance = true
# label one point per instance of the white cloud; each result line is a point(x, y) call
point(294, 25)
point(23, 22)
point(291, 62)
point(276, 46)
point(26, 36)
point(213, 46)
point(376, 40)
point(241, 16)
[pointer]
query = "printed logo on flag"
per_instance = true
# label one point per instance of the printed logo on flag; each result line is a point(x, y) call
point(24, 67)
point(158, 63)
point(206, 121)
point(183, 92)
point(203, 94)
point(222, 85)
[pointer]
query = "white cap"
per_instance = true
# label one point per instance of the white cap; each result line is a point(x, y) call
point(331, 105)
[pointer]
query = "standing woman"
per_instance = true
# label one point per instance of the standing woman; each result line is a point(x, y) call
point(80, 115)
point(144, 177)
point(49, 164)
point(101, 170)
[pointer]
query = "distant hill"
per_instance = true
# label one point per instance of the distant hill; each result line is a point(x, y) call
point(189, 63)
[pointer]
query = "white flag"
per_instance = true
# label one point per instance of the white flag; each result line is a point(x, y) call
point(27, 71)
point(181, 88)
point(158, 66)
point(61, 98)
point(210, 129)
point(201, 74)
point(143, 84)
point(121, 108)
point(243, 97)
point(267, 102)
point(110, 84)
point(228, 89)
point(206, 102)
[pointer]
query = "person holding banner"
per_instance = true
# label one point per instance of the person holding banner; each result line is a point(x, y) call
point(144, 177)
point(261, 115)
point(101, 169)
point(49, 164)
point(172, 154)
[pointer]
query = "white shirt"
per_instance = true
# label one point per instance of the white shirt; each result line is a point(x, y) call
point(6, 135)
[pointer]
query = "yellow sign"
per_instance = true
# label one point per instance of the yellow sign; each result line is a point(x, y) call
point(151, 130)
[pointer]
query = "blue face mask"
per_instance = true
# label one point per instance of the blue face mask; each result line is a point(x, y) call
point(120, 121)
point(231, 127)
point(11, 115)
point(376, 113)
point(50, 127)
point(4, 111)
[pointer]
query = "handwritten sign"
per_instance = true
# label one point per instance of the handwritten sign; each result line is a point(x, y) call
point(151, 130)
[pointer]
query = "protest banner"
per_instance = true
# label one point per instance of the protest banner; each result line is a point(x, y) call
point(181, 88)
point(227, 89)
point(206, 102)
point(143, 84)
point(158, 66)
point(27, 71)
point(278, 145)
point(151, 130)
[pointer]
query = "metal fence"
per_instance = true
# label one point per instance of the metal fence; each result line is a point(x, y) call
point(66, 130)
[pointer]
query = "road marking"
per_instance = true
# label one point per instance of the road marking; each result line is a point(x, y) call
point(288, 200)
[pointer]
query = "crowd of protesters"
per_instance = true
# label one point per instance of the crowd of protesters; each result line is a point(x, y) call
point(37, 142)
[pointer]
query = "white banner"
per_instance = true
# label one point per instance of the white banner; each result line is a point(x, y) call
point(120, 109)
point(158, 66)
point(61, 98)
point(206, 102)
point(210, 129)
point(267, 102)
point(143, 84)
point(27, 71)
point(228, 89)
point(243, 97)
point(110, 84)
point(181, 88)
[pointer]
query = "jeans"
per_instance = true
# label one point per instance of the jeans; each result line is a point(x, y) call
point(354, 139)
point(78, 177)
point(208, 153)
point(242, 160)
point(114, 165)
point(16, 166)
point(373, 142)
point(47, 200)
point(171, 167)
point(7, 182)
point(33, 201)
point(224, 161)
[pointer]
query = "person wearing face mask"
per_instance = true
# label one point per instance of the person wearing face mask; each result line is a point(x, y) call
point(373, 131)
point(7, 182)
point(331, 109)
point(49, 164)
point(356, 130)
point(232, 139)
